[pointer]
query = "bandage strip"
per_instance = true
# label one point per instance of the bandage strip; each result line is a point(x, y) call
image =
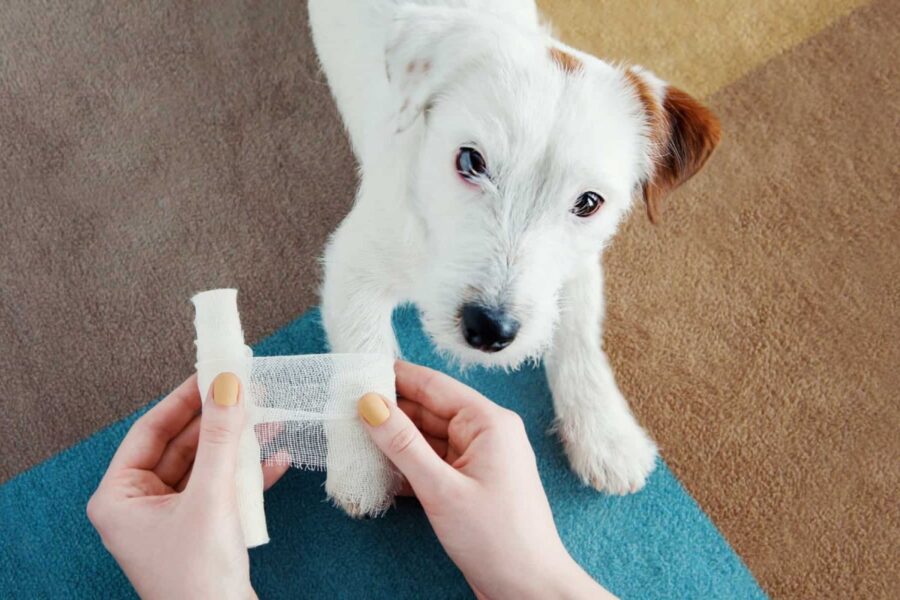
point(297, 396)
point(295, 404)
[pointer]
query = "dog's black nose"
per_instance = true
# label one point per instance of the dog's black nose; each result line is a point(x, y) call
point(487, 328)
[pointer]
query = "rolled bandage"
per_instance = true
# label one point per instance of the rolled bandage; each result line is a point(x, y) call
point(221, 348)
point(300, 410)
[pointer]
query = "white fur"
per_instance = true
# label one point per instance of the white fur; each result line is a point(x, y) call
point(415, 80)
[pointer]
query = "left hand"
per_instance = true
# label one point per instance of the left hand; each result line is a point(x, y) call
point(166, 508)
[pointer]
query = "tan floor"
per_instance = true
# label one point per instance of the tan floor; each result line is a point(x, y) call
point(758, 327)
point(700, 46)
point(755, 328)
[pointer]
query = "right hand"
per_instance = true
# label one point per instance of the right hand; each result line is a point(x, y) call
point(474, 472)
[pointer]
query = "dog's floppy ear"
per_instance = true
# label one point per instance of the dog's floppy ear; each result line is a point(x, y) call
point(683, 134)
point(427, 47)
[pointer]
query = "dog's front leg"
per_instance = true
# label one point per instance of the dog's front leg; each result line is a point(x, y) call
point(605, 445)
point(356, 314)
point(357, 302)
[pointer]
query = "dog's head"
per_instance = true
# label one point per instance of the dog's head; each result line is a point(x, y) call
point(527, 154)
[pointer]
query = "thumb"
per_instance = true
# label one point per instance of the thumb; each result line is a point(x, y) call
point(397, 436)
point(221, 425)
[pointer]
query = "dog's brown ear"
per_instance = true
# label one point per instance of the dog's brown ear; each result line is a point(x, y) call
point(683, 135)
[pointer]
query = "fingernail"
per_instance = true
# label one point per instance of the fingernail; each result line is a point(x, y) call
point(373, 409)
point(225, 389)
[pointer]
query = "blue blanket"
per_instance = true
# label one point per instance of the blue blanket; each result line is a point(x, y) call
point(654, 544)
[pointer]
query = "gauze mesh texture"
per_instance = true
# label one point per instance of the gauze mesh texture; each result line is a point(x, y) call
point(303, 408)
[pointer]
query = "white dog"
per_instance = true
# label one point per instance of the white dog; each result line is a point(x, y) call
point(496, 165)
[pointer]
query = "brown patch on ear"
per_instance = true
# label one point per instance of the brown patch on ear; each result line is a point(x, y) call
point(655, 117)
point(564, 60)
point(685, 133)
point(645, 95)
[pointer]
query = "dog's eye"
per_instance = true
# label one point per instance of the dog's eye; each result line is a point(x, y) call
point(470, 163)
point(588, 203)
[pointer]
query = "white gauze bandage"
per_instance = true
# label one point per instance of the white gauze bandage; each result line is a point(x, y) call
point(300, 410)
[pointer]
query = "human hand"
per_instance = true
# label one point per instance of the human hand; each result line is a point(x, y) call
point(470, 464)
point(166, 508)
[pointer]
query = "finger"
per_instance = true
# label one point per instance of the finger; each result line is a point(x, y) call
point(140, 484)
point(179, 454)
point(439, 445)
point(276, 466)
point(439, 393)
point(452, 456)
point(268, 431)
point(424, 419)
point(148, 437)
point(433, 428)
point(182, 483)
point(221, 425)
point(404, 445)
point(468, 425)
point(272, 439)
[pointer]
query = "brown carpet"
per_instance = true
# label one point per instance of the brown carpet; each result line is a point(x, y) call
point(148, 151)
point(758, 328)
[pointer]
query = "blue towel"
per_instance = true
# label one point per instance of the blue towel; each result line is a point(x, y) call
point(653, 544)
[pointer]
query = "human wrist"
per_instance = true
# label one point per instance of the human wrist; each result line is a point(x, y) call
point(553, 574)
point(572, 581)
point(562, 577)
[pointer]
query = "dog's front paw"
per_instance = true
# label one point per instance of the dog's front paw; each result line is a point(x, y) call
point(612, 455)
point(360, 480)
point(358, 498)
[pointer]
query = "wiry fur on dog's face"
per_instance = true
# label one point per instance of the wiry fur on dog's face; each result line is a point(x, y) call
point(527, 157)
